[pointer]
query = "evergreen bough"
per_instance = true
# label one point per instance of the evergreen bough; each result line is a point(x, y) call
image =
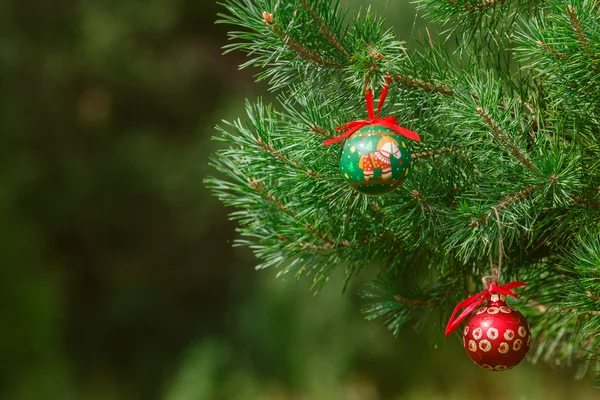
point(510, 122)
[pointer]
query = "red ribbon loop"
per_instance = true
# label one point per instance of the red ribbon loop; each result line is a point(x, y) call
point(374, 119)
point(476, 300)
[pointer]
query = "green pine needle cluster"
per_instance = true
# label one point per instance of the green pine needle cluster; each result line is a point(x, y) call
point(508, 166)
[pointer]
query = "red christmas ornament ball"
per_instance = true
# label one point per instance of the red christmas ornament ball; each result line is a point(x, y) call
point(497, 336)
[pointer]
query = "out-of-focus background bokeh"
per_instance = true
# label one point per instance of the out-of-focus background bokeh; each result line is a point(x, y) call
point(118, 280)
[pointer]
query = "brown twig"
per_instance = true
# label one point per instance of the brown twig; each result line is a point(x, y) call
point(480, 6)
point(297, 47)
point(593, 296)
point(503, 137)
point(329, 244)
point(508, 201)
point(418, 197)
point(426, 86)
point(552, 51)
point(414, 302)
point(585, 202)
point(302, 245)
point(547, 309)
point(260, 188)
point(321, 131)
point(281, 157)
point(577, 28)
point(430, 153)
point(325, 31)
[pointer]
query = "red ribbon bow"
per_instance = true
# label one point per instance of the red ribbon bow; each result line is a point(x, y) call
point(387, 122)
point(476, 300)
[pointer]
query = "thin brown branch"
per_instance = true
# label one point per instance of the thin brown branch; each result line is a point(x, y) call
point(593, 296)
point(430, 153)
point(479, 6)
point(260, 188)
point(413, 302)
point(426, 86)
point(552, 51)
point(325, 31)
point(321, 131)
point(329, 244)
point(419, 198)
point(302, 245)
point(549, 309)
point(577, 28)
point(297, 47)
point(281, 157)
point(508, 201)
point(503, 137)
point(586, 202)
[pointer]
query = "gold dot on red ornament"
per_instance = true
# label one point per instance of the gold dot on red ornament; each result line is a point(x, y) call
point(517, 345)
point(492, 333)
point(472, 345)
point(522, 331)
point(509, 334)
point(485, 345)
point(503, 348)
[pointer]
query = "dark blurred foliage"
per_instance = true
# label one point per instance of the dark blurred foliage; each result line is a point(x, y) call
point(118, 276)
point(104, 108)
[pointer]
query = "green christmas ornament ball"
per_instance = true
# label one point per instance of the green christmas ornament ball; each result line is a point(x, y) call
point(375, 160)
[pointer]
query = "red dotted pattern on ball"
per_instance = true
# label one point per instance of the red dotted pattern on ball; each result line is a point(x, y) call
point(497, 337)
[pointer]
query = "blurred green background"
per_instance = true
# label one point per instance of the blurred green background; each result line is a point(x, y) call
point(118, 279)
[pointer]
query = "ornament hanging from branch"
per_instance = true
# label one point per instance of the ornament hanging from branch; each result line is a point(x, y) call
point(496, 337)
point(375, 157)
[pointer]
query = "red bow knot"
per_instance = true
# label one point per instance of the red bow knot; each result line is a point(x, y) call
point(476, 300)
point(374, 119)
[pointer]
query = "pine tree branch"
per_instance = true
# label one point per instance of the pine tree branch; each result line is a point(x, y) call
point(325, 31)
point(281, 157)
point(550, 309)
point(531, 136)
point(552, 51)
point(302, 245)
point(478, 6)
point(586, 202)
point(419, 198)
point(430, 153)
point(583, 40)
point(297, 47)
point(510, 200)
point(503, 137)
point(414, 302)
point(577, 28)
point(329, 244)
point(260, 189)
point(426, 86)
point(321, 131)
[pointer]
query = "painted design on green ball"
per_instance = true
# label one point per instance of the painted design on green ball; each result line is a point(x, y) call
point(375, 160)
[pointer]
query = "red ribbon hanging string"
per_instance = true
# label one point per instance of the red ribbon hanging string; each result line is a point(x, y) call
point(374, 119)
point(476, 300)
